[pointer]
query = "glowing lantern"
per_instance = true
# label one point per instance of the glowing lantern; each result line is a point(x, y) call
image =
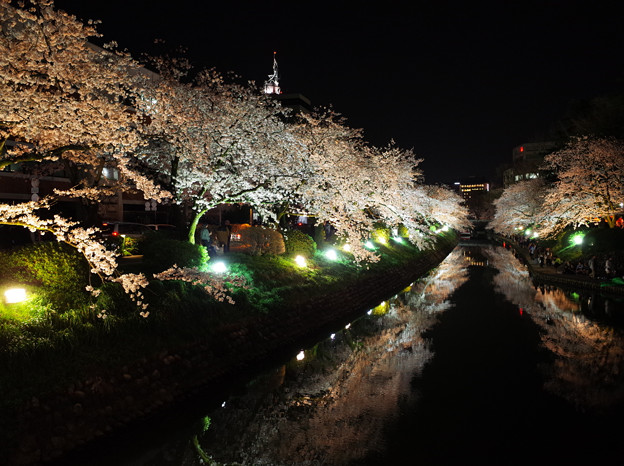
point(301, 261)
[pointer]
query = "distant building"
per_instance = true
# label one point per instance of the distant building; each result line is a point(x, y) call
point(526, 161)
point(468, 187)
point(298, 102)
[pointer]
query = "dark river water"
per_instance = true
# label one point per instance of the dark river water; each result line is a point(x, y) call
point(473, 364)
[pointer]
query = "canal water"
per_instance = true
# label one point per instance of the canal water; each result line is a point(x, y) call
point(473, 364)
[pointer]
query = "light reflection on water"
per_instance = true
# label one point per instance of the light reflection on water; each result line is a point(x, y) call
point(333, 405)
point(588, 366)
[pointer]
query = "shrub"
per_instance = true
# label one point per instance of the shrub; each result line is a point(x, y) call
point(260, 241)
point(58, 270)
point(297, 242)
point(381, 233)
point(125, 245)
point(161, 253)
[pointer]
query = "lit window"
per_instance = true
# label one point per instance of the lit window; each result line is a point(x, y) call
point(110, 173)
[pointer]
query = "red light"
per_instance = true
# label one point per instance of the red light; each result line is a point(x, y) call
point(521, 311)
point(299, 223)
point(521, 148)
point(114, 233)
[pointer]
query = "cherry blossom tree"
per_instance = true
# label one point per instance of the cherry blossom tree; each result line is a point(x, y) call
point(215, 143)
point(63, 104)
point(69, 104)
point(200, 142)
point(589, 185)
point(66, 100)
point(337, 183)
point(444, 207)
point(353, 185)
point(519, 207)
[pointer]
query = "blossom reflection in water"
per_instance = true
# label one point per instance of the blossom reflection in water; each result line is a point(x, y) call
point(588, 366)
point(332, 407)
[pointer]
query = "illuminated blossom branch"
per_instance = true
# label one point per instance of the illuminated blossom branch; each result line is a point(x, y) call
point(215, 285)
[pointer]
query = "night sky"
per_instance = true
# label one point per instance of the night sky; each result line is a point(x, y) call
point(461, 83)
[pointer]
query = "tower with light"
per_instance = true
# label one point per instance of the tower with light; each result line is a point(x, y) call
point(271, 85)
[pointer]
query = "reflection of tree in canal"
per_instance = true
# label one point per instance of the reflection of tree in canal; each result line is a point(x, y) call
point(332, 407)
point(588, 366)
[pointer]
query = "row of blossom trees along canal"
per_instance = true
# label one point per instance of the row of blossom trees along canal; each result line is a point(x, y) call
point(582, 184)
point(186, 139)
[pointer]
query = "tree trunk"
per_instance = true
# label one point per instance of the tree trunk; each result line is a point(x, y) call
point(193, 225)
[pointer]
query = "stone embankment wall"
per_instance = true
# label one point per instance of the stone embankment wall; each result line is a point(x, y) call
point(105, 403)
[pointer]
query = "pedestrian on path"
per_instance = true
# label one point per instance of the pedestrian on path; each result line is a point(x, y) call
point(609, 270)
point(592, 266)
point(205, 236)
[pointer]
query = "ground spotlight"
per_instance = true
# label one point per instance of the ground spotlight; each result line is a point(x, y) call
point(331, 254)
point(219, 267)
point(15, 295)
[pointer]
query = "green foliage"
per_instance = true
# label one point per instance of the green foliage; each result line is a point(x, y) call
point(260, 241)
point(160, 253)
point(381, 233)
point(131, 246)
point(297, 242)
point(125, 245)
point(56, 271)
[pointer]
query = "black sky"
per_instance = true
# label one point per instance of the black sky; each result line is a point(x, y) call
point(461, 83)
